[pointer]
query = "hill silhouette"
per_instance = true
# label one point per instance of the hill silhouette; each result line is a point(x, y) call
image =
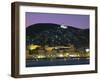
point(57, 35)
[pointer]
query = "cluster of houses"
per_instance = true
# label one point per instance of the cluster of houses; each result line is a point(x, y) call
point(36, 51)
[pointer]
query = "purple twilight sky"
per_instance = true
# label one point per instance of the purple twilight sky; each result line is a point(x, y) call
point(79, 21)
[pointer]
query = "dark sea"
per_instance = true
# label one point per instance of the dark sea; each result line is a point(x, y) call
point(57, 62)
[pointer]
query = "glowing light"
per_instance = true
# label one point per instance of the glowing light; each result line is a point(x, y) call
point(72, 55)
point(49, 49)
point(32, 46)
point(61, 55)
point(78, 55)
point(63, 26)
point(40, 56)
point(66, 54)
point(87, 50)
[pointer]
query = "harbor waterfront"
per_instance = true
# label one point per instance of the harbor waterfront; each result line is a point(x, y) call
point(53, 56)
